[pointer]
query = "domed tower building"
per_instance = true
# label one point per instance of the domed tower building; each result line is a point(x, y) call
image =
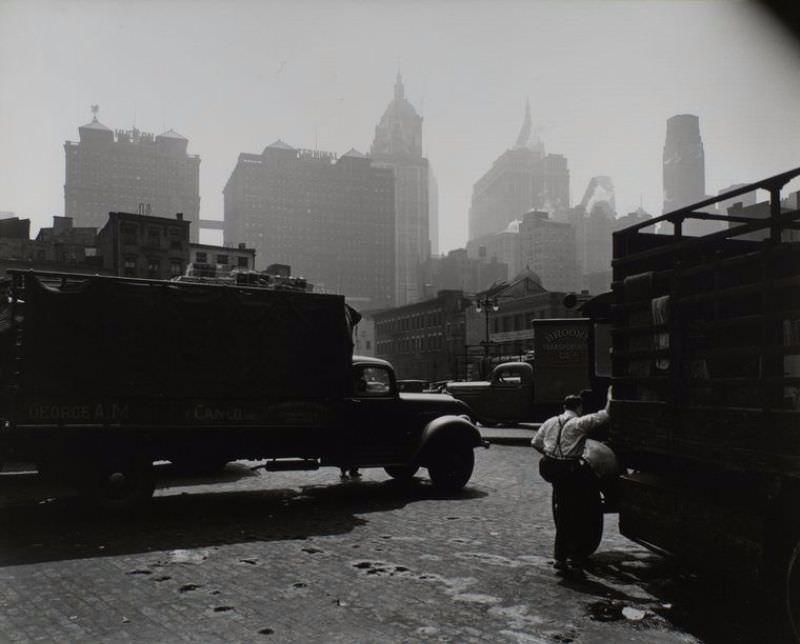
point(398, 145)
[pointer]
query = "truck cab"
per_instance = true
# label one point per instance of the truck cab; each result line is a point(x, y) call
point(507, 397)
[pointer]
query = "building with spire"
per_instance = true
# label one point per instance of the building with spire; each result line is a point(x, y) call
point(129, 171)
point(330, 218)
point(523, 178)
point(398, 146)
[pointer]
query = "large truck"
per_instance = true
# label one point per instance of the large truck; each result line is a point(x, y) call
point(571, 356)
point(100, 377)
point(706, 388)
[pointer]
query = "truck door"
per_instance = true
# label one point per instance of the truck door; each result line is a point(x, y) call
point(378, 432)
point(511, 395)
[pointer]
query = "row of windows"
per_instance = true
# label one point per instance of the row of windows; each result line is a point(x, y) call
point(132, 267)
point(202, 257)
point(410, 345)
point(411, 322)
point(517, 322)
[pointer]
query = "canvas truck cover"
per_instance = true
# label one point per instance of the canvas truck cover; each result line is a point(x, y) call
point(114, 337)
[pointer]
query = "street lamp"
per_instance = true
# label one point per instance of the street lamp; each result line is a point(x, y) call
point(483, 305)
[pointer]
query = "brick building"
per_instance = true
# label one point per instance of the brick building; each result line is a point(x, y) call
point(510, 330)
point(136, 245)
point(424, 340)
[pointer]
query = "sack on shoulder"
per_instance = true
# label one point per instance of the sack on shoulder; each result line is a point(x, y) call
point(556, 470)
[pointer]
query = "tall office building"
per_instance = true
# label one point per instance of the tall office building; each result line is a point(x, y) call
point(684, 172)
point(331, 219)
point(130, 171)
point(522, 178)
point(547, 248)
point(433, 214)
point(398, 146)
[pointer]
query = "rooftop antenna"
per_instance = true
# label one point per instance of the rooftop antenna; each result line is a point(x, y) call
point(95, 109)
point(316, 138)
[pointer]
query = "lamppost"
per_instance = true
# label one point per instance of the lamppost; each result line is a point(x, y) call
point(483, 304)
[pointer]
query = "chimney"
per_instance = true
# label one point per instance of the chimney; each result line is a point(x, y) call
point(242, 246)
point(179, 216)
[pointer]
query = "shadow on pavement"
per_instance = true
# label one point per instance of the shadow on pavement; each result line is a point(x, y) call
point(59, 529)
point(715, 610)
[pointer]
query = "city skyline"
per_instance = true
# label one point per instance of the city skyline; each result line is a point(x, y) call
point(601, 82)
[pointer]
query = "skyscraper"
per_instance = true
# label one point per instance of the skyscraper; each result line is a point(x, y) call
point(130, 171)
point(685, 173)
point(684, 163)
point(331, 219)
point(547, 247)
point(522, 178)
point(398, 146)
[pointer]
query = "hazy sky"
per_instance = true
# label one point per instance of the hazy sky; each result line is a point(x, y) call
point(233, 76)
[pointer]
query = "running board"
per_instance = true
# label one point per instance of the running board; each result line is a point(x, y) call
point(286, 465)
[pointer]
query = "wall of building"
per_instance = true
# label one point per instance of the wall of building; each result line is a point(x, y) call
point(127, 170)
point(136, 245)
point(331, 219)
point(548, 248)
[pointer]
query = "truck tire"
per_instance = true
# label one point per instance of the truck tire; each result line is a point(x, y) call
point(402, 472)
point(450, 465)
point(792, 590)
point(118, 484)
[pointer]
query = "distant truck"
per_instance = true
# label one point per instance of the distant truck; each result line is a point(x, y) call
point(571, 355)
point(100, 377)
point(706, 391)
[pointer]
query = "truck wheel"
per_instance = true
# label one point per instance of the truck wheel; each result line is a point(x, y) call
point(118, 485)
point(451, 466)
point(402, 472)
point(793, 591)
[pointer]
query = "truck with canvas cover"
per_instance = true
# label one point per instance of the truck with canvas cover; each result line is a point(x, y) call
point(706, 388)
point(102, 376)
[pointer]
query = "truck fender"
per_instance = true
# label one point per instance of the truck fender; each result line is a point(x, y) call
point(448, 428)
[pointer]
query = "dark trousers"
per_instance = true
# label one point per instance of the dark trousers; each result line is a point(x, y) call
point(578, 515)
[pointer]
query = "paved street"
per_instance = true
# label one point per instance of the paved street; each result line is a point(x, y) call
point(304, 557)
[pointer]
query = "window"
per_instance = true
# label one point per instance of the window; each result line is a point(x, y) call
point(222, 259)
point(175, 267)
point(175, 244)
point(129, 267)
point(128, 232)
point(242, 262)
point(153, 267)
point(201, 258)
point(153, 236)
point(373, 381)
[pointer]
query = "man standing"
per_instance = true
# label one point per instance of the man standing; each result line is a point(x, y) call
point(577, 506)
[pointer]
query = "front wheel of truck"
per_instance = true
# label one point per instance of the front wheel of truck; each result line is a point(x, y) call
point(118, 484)
point(450, 466)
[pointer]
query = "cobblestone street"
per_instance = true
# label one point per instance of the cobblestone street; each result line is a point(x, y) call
point(305, 557)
